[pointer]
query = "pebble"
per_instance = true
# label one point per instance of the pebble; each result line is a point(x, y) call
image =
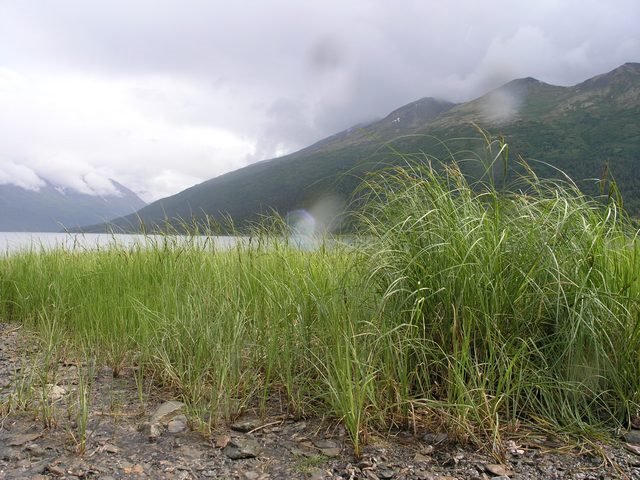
point(498, 470)
point(222, 441)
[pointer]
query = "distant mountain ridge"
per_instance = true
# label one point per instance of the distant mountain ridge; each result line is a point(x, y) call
point(52, 209)
point(576, 129)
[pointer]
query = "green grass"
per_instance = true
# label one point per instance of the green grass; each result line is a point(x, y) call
point(464, 307)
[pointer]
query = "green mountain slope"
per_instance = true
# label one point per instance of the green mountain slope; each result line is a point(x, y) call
point(576, 129)
point(51, 209)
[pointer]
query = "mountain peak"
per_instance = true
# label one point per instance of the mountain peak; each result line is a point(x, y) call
point(521, 85)
point(618, 76)
point(418, 112)
point(629, 67)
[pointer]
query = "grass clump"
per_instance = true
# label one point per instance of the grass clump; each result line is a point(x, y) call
point(516, 304)
point(463, 306)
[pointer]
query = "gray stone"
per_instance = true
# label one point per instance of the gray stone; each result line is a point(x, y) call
point(151, 430)
point(325, 444)
point(331, 452)
point(498, 470)
point(55, 392)
point(35, 449)
point(317, 474)
point(633, 448)
point(18, 440)
point(246, 425)
point(386, 473)
point(632, 436)
point(435, 438)
point(420, 458)
point(177, 425)
point(166, 411)
point(242, 448)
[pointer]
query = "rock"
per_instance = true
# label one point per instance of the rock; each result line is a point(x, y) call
point(386, 473)
point(420, 458)
point(501, 477)
point(107, 447)
point(242, 448)
point(136, 469)
point(428, 450)
point(35, 450)
point(177, 425)
point(55, 470)
point(151, 430)
point(246, 425)
point(55, 392)
point(325, 443)
point(632, 436)
point(18, 440)
point(633, 448)
point(222, 441)
point(331, 452)
point(498, 470)
point(435, 438)
point(317, 474)
point(166, 411)
point(251, 475)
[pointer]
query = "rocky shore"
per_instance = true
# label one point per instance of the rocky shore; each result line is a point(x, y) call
point(114, 428)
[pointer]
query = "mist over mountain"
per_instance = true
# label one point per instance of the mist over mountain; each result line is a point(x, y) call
point(52, 208)
point(577, 129)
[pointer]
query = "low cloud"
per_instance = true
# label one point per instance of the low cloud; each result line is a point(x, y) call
point(19, 175)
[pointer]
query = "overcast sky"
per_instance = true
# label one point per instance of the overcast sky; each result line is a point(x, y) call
point(163, 94)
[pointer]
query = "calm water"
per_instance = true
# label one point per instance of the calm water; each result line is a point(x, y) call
point(19, 241)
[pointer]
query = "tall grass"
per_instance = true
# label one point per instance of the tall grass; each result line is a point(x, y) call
point(464, 307)
point(516, 305)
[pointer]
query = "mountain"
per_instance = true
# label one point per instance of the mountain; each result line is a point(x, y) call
point(577, 129)
point(51, 208)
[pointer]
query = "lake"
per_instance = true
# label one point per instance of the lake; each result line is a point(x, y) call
point(11, 242)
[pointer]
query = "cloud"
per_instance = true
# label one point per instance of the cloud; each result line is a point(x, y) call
point(19, 175)
point(78, 132)
point(161, 95)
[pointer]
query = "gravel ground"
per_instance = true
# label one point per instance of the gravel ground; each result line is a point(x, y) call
point(127, 438)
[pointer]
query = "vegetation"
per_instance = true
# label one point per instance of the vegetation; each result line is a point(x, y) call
point(462, 306)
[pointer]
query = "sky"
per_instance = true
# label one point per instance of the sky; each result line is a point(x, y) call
point(163, 94)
